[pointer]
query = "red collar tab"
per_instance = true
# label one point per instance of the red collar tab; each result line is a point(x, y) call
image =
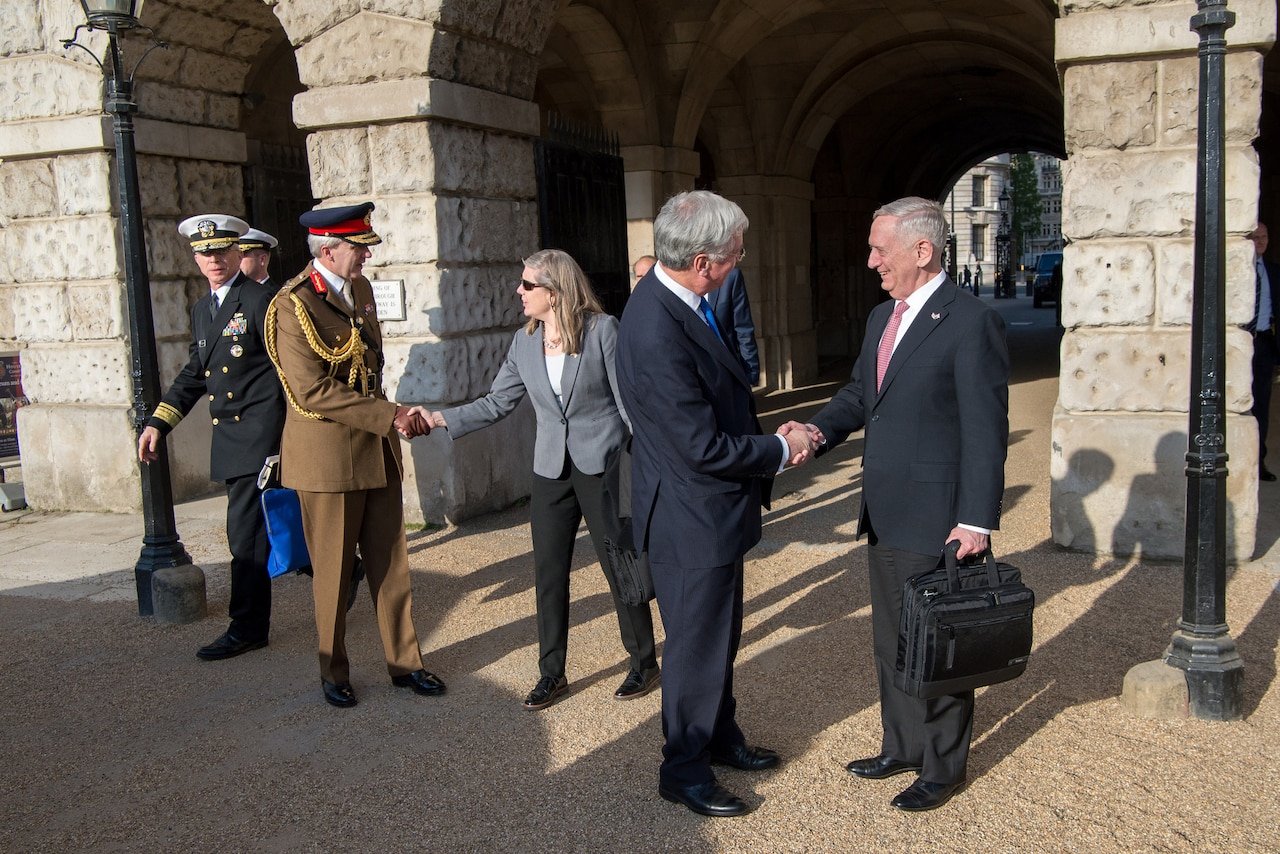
point(317, 282)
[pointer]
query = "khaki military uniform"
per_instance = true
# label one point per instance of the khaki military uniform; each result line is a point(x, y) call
point(341, 454)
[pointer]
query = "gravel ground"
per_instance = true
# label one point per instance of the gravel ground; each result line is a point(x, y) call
point(117, 738)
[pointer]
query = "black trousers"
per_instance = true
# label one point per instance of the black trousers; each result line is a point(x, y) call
point(933, 734)
point(702, 612)
point(1264, 368)
point(557, 507)
point(250, 607)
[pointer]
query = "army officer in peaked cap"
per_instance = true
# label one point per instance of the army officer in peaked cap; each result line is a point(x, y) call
point(257, 246)
point(340, 449)
point(229, 363)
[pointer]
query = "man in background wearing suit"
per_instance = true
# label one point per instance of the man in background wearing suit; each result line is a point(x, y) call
point(228, 361)
point(733, 313)
point(931, 389)
point(256, 247)
point(340, 449)
point(1263, 327)
point(700, 472)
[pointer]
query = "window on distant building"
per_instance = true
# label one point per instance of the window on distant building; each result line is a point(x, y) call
point(978, 241)
point(979, 191)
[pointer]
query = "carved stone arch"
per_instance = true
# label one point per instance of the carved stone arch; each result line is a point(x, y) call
point(730, 32)
point(602, 49)
point(1002, 94)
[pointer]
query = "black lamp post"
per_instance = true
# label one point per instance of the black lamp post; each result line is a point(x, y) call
point(1004, 275)
point(1202, 645)
point(160, 545)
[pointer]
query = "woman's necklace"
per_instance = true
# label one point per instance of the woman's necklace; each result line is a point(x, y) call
point(549, 344)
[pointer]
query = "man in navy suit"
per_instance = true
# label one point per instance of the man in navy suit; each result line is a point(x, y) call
point(228, 362)
point(931, 389)
point(1263, 327)
point(701, 471)
point(733, 313)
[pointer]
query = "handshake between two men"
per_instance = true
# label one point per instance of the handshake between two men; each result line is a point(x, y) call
point(803, 441)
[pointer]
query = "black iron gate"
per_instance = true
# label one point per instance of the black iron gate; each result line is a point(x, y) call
point(277, 189)
point(582, 207)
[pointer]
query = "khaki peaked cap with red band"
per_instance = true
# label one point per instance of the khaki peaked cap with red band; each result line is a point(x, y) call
point(350, 223)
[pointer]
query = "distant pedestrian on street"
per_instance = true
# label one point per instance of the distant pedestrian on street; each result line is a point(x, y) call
point(228, 362)
point(1262, 325)
point(968, 279)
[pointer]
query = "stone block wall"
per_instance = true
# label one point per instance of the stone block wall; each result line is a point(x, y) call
point(430, 122)
point(1130, 81)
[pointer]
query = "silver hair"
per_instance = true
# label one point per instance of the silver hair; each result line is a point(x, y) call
point(917, 219)
point(696, 223)
point(316, 242)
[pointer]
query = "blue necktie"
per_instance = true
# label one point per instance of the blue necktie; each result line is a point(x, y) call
point(704, 308)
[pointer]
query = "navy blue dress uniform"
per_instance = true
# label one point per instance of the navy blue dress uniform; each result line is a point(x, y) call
point(228, 365)
point(341, 450)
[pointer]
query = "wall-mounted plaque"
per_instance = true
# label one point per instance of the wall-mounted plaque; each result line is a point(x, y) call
point(388, 295)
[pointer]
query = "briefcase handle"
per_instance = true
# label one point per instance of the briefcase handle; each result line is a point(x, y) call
point(950, 563)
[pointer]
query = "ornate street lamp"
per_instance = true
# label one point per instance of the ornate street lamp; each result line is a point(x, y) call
point(1004, 275)
point(1202, 645)
point(160, 545)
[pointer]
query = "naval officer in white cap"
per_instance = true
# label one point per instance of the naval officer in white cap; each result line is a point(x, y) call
point(228, 362)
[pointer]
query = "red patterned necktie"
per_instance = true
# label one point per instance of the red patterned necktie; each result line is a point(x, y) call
point(886, 342)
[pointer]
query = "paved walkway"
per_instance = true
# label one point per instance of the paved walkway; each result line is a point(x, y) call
point(116, 738)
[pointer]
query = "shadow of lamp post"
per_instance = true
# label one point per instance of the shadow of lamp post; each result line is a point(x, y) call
point(160, 545)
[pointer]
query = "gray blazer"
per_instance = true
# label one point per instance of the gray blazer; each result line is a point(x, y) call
point(591, 422)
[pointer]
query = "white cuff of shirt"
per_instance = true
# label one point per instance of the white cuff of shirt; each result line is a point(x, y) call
point(974, 528)
point(786, 452)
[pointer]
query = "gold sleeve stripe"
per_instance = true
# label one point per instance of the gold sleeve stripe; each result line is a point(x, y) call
point(167, 414)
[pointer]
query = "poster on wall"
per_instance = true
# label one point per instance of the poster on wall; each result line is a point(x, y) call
point(11, 400)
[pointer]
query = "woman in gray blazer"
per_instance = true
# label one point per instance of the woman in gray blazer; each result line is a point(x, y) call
point(563, 360)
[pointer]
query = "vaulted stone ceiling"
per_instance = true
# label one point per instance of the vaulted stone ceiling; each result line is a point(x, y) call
point(930, 85)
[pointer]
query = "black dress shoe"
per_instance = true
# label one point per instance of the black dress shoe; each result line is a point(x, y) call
point(229, 646)
point(923, 795)
point(421, 681)
point(339, 695)
point(746, 758)
point(546, 692)
point(638, 683)
point(879, 767)
point(705, 799)
point(1265, 474)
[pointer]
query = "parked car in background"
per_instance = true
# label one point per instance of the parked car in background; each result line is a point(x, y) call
point(1046, 285)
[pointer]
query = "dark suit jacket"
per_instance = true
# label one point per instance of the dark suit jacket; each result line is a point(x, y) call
point(937, 432)
point(733, 314)
point(1273, 279)
point(228, 361)
point(590, 422)
point(700, 468)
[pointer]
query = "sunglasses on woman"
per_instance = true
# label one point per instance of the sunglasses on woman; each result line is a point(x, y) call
point(528, 286)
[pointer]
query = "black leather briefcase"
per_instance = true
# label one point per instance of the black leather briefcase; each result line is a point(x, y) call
point(963, 626)
point(627, 566)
